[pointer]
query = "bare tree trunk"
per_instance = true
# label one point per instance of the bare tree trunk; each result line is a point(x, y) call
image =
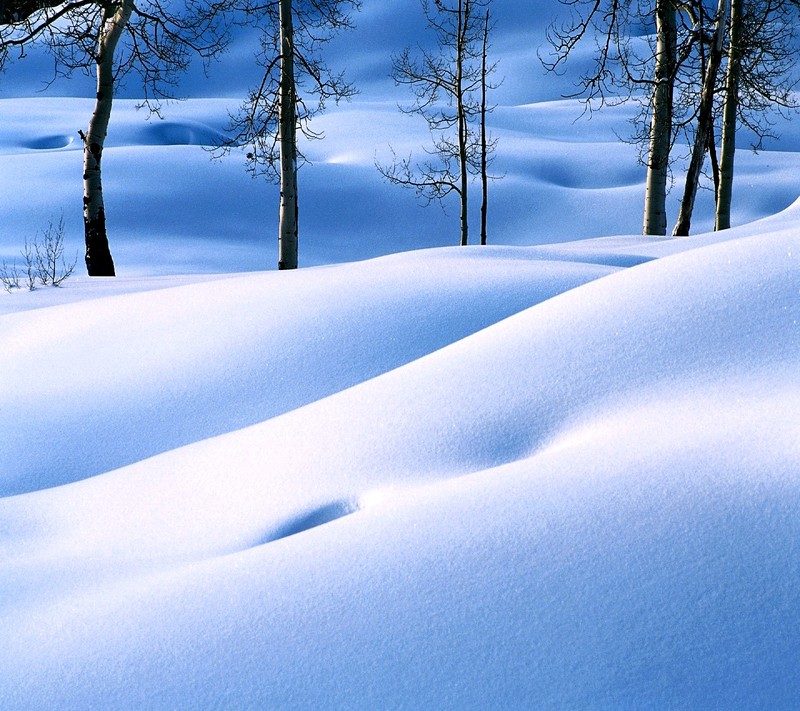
point(655, 200)
point(704, 118)
point(462, 117)
point(484, 143)
point(712, 155)
point(724, 193)
point(98, 255)
point(287, 139)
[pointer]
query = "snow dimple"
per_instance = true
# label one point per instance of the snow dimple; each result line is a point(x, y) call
point(178, 133)
point(312, 519)
point(48, 143)
point(564, 174)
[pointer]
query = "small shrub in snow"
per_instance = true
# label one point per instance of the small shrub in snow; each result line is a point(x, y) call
point(43, 260)
point(9, 276)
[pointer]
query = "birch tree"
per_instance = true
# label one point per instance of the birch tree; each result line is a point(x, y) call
point(661, 124)
point(722, 214)
point(487, 143)
point(449, 84)
point(150, 40)
point(704, 123)
point(295, 86)
point(760, 79)
point(98, 255)
point(757, 82)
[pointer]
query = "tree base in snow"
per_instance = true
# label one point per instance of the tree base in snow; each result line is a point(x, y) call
point(99, 262)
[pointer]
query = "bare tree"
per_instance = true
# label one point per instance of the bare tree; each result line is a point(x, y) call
point(43, 259)
point(661, 123)
point(487, 143)
point(760, 79)
point(150, 39)
point(450, 85)
point(705, 121)
point(295, 86)
point(722, 217)
point(51, 265)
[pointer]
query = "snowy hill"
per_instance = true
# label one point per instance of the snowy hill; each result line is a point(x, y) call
point(561, 471)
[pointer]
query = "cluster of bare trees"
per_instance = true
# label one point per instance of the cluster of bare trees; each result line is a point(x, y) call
point(154, 40)
point(709, 67)
point(700, 69)
point(450, 84)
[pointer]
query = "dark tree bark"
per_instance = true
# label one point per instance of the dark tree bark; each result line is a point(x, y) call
point(725, 189)
point(705, 118)
point(484, 137)
point(19, 10)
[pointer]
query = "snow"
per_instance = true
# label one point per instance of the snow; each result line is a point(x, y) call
point(560, 471)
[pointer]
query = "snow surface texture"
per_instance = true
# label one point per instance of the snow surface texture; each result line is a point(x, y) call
point(531, 475)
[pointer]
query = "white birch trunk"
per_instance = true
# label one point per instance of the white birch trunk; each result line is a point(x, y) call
point(724, 193)
point(655, 210)
point(98, 255)
point(287, 138)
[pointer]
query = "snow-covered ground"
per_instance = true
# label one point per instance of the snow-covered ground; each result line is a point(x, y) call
point(561, 471)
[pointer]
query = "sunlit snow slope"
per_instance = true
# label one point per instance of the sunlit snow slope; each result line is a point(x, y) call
point(592, 502)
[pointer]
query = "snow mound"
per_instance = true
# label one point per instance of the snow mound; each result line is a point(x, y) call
point(590, 502)
point(227, 352)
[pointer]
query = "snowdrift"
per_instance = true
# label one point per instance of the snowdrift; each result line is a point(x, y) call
point(590, 500)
